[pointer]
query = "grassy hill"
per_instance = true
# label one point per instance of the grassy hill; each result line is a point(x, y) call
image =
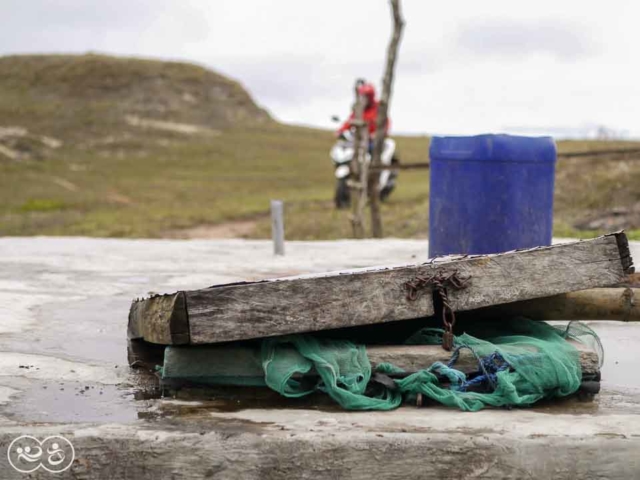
point(103, 146)
point(75, 96)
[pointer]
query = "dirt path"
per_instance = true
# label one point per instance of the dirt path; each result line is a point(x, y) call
point(234, 229)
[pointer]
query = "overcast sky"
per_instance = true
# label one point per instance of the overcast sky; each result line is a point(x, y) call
point(560, 67)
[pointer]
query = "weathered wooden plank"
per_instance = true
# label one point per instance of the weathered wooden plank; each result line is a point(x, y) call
point(376, 295)
point(510, 277)
point(241, 364)
point(300, 305)
point(161, 319)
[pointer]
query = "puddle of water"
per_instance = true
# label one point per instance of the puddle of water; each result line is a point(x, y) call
point(71, 401)
point(607, 402)
point(234, 399)
point(60, 402)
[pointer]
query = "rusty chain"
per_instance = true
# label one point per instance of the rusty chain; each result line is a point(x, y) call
point(439, 282)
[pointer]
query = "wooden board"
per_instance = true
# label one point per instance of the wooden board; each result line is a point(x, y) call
point(622, 304)
point(241, 365)
point(369, 296)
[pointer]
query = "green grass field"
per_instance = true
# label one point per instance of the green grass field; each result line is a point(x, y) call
point(112, 179)
point(146, 190)
point(150, 190)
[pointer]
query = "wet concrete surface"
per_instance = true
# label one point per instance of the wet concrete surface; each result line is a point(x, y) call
point(63, 351)
point(621, 342)
point(69, 299)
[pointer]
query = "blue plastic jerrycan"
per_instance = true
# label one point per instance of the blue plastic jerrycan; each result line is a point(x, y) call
point(490, 193)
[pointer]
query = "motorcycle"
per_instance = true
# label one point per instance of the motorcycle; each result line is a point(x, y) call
point(342, 155)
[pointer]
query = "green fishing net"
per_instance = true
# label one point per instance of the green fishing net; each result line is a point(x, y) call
point(520, 361)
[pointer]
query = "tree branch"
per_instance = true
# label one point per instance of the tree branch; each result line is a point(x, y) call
point(381, 120)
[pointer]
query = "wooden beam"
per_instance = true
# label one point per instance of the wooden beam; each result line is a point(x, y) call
point(369, 296)
point(160, 319)
point(621, 304)
point(241, 365)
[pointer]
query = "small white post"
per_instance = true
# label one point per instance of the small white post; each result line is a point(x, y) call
point(277, 226)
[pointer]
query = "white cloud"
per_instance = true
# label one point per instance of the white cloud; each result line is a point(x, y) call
point(521, 38)
point(464, 67)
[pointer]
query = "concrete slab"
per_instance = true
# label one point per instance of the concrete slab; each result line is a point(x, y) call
point(63, 371)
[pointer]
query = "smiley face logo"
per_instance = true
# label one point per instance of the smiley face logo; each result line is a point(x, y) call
point(55, 454)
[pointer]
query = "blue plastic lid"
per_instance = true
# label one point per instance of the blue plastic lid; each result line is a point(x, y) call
point(493, 147)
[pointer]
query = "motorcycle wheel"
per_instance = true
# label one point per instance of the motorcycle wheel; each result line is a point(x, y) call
point(343, 194)
point(385, 192)
point(387, 189)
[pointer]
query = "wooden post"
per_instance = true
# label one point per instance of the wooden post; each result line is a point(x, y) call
point(363, 180)
point(356, 183)
point(277, 226)
point(381, 120)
